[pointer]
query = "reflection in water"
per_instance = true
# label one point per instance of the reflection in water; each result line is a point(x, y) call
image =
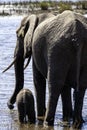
point(9, 119)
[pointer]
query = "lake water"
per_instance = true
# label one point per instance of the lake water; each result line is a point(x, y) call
point(23, 0)
point(9, 118)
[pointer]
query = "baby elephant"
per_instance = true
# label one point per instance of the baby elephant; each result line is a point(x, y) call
point(25, 105)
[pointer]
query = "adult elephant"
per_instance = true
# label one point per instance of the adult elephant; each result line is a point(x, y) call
point(59, 50)
point(25, 34)
point(27, 26)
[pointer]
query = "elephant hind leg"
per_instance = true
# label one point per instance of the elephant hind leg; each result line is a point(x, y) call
point(79, 96)
point(21, 118)
point(21, 114)
point(66, 103)
point(55, 86)
point(58, 68)
point(31, 117)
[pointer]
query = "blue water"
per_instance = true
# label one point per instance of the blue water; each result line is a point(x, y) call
point(9, 119)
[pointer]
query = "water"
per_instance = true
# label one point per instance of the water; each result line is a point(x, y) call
point(9, 119)
point(26, 0)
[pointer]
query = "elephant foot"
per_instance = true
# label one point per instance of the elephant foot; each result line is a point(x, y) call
point(77, 124)
point(45, 124)
point(64, 123)
point(48, 123)
point(40, 120)
point(10, 105)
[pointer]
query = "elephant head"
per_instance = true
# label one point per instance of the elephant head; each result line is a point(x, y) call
point(24, 34)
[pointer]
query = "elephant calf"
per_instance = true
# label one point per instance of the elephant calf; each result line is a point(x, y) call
point(25, 105)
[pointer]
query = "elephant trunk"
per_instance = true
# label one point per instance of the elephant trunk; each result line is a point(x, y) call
point(19, 78)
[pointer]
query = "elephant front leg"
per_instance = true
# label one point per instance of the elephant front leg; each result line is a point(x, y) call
point(19, 79)
point(40, 91)
point(78, 120)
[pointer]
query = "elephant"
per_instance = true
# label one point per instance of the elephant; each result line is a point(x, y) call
point(28, 23)
point(25, 33)
point(59, 54)
point(25, 106)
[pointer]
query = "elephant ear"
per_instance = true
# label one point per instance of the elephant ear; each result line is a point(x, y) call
point(30, 26)
point(21, 31)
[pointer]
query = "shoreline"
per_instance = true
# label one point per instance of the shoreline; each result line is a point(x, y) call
point(26, 8)
point(39, 12)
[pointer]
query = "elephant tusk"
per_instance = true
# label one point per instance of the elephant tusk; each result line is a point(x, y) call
point(28, 61)
point(9, 66)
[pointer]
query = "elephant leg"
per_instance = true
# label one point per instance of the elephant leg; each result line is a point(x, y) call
point(21, 112)
point(66, 103)
point(51, 108)
point(31, 115)
point(79, 96)
point(55, 85)
point(19, 79)
point(40, 90)
point(31, 111)
point(58, 68)
point(21, 117)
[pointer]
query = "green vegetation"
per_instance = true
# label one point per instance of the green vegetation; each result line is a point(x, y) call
point(44, 5)
point(84, 5)
point(64, 6)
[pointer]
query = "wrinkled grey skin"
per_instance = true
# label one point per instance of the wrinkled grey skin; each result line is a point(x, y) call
point(25, 106)
point(25, 33)
point(59, 52)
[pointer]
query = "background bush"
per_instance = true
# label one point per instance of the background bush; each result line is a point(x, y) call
point(44, 5)
point(63, 7)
